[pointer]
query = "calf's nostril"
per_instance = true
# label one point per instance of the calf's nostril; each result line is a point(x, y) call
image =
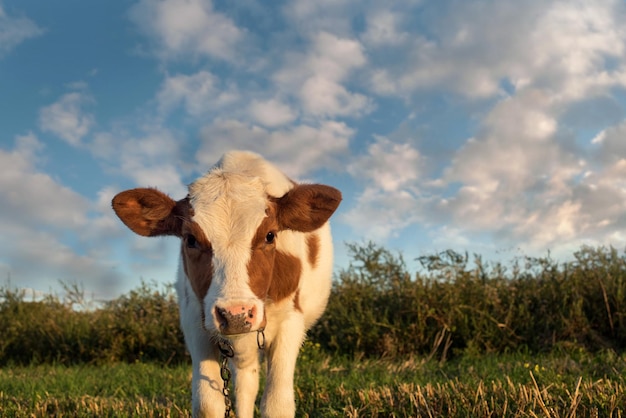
point(220, 315)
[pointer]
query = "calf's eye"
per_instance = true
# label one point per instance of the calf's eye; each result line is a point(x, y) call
point(192, 242)
point(269, 238)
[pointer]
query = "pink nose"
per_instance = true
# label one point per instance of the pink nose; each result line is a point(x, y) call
point(236, 319)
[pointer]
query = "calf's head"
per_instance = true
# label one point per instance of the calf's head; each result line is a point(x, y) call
point(229, 229)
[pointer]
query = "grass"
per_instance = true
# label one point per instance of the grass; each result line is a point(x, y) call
point(114, 390)
point(513, 385)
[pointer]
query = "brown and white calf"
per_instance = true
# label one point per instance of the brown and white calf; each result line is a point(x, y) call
point(256, 252)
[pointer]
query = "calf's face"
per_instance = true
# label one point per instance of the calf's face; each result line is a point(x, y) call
point(229, 229)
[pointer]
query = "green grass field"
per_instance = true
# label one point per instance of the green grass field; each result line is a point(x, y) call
point(555, 385)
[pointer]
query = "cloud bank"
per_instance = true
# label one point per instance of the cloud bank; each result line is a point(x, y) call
point(447, 124)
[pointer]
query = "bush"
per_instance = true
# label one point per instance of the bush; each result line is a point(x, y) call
point(141, 326)
point(377, 308)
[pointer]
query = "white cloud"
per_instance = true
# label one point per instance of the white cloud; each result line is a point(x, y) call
point(612, 143)
point(34, 196)
point(520, 181)
point(41, 261)
point(318, 77)
point(105, 224)
point(187, 28)
point(67, 117)
point(379, 214)
point(560, 46)
point(312, 17)
point(333, 57)
point(576, 38)
point(513, 166)
point(15, 30)
point(72, 238)
point(391, 199)
point(325, 97)
point(525, 174)
point(297, 150)
point(515, 146)
point(199, 93)
point(382, 29)
point(163, 176)
point(521, 177)
point(388, 166)
point(38, 215)
point(151, 158)
point(302, 149)
point(272, 113)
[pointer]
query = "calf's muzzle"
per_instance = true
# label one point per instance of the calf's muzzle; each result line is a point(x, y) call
point(237, 318)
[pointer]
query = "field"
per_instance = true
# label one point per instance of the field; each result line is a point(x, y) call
point(555, 385)
point(457, 338)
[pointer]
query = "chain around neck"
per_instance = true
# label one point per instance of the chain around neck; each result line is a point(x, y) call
point(227, 351)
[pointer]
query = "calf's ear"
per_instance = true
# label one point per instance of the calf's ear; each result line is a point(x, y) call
point(307, 207)
point(149, 212)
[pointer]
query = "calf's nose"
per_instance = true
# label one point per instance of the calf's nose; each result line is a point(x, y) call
point(236, 319)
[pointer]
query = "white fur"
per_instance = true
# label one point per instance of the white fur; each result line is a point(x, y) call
point(229, 227)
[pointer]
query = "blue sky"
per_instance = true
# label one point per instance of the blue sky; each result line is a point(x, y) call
point(496, 127)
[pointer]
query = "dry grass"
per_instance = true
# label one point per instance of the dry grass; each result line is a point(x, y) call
point(553, 386)
point(88, 406)
point(486, 399)
point(556, 385)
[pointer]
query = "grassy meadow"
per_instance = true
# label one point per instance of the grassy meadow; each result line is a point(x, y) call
point(563, 385)
point(460, 337)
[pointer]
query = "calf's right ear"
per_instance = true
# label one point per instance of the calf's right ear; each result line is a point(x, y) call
point(149, 212)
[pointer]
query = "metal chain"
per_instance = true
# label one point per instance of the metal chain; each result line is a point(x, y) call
point(227, 351)
point(260, 338)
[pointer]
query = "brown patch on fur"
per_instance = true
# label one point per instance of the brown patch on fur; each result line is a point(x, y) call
point(197, 256)
point(149, 212)
point(273, 275)
point(261, 265)
point(286, 277)
point(313, 249)
point(307, 207)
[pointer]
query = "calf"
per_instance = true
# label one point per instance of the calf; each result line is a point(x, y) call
point(256, 256)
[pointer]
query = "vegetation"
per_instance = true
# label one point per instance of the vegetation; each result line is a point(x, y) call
point(140, 326)
point(458, 337)
point(563, 385)
point(536, 304)
point(377, 309)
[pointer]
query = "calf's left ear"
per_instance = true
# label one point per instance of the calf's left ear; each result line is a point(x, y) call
point(307, 207)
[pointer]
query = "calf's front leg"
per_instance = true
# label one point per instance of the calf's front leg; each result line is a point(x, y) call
point(207, 400)
point(206, 389)
point(282, 354)
point(246, 368)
